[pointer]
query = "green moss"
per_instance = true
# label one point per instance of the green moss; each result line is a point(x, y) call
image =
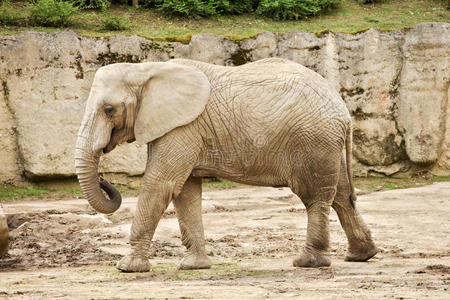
point(322, 33)
point(151, 45)
point(111, 57)
point(183, 39)
point(238, 38)
point(357, 31)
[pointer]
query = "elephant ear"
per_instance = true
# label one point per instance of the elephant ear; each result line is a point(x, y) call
point(172, 95)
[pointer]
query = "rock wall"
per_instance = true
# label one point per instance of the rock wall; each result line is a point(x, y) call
point(396, 85)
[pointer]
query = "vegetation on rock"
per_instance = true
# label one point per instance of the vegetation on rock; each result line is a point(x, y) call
point(115, 23)
point(235, 19)
point(10, 16)
point(51, 13)
point(294, 9)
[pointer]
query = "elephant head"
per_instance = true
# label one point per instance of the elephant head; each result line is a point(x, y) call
point(130, 102)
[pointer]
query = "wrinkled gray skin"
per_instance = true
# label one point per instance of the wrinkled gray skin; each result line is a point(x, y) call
point(271, 123)
point(4, 234)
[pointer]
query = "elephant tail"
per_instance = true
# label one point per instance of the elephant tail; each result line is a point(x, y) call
point(348, 159)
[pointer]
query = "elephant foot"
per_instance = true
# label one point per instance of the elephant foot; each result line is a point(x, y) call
point(133, 264)
point(309, 260)
point(362, 253)
point(195, 261)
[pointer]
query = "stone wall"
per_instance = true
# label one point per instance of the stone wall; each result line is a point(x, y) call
point(396, 85)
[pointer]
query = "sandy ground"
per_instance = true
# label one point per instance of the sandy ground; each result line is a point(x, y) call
point(61, 249)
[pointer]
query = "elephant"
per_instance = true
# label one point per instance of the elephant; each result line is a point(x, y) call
point(272, 122)
point(4, 233)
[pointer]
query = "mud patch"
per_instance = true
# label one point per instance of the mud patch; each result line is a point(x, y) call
point(261, 242)
point(434, 269)
point(165, 249)
point(57, 239)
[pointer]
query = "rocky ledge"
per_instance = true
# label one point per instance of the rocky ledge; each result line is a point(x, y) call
point(395, 84)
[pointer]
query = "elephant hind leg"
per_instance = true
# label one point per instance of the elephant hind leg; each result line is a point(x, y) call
point(360, 244)
point(317, 188)
point(188, 206)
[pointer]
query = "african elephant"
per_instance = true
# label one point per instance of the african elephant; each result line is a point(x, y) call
point(272, 123)
point(4, 233)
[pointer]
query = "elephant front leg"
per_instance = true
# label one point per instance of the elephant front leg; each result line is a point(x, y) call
point(168, 167)
point(152, 203)
point(188, 207)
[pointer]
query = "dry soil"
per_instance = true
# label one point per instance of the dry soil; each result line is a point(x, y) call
point(62, 249)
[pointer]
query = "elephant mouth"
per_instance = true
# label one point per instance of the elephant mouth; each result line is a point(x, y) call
point(115, 140)
point(112, 143)
point(108, 148)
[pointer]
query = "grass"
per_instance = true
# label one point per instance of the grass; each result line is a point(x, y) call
point(372, 184)
point(350, 17)
point(220, 185)
point(9, 192)
point(218, 270)
point(169, 271)
point(367, 184)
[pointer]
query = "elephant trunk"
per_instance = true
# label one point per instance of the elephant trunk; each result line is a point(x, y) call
point(86, 165)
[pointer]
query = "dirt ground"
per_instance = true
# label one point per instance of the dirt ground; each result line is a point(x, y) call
point(62, 249)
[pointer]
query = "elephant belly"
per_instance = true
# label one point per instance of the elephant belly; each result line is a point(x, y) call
point(263, 175)
point(262, 180)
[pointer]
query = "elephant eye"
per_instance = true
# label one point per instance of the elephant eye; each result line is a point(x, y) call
point(109, 110)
